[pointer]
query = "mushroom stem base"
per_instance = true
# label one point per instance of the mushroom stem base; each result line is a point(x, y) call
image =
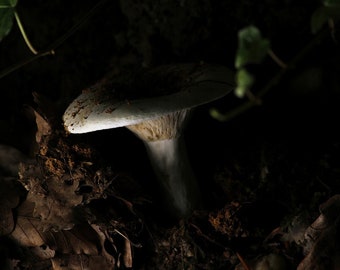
point(173, 170)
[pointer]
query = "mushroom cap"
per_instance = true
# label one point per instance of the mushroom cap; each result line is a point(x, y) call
point(187, 86)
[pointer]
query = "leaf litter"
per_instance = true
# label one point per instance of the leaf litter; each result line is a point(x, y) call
point(67, 209)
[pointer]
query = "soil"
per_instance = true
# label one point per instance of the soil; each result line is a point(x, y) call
point(92, 200)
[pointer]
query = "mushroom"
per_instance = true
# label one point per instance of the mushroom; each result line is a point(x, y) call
point(166, 97)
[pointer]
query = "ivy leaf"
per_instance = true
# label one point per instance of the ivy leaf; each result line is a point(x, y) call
point(252, 47)
point(244, 81)
point(330, 10)
point(8, 3)
point(6, 16)
point(331, 3)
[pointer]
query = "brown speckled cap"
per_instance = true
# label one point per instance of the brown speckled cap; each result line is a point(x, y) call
point(176, 87)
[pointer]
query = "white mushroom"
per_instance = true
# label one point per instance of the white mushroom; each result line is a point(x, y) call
point(157, 118)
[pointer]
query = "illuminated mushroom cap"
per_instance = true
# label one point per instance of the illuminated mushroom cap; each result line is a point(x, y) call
point(146, 95)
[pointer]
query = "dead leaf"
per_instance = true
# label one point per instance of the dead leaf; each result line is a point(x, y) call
point(322, 239)
point(10, 192)
point(43, 127)
point(270, 261)
point(82, 239)
point(83, 247)
point(26, 231)
point(43, 252)
point(227, 222)
point(81, 262)
point(127, 256)
point(80, 248)
point(53, 195)
point(45, 106)
point(55, 207)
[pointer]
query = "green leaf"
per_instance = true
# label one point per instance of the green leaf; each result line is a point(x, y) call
point(322, 15)
point(6, 21)
point(331, 3)
point(244, 81)
point(252, 47)
point(13, 2)
point(8, 3)
point(217, 115)
point(6, 16)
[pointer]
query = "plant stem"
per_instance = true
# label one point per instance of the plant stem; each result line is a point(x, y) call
point(276, 59)
point(23, 33)
point(272, 83)
point(54, 46)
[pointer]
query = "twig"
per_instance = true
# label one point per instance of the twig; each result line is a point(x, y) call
point(275, 80)
point(51, 49)
point(15, 67)
point(243, 262)
point(277, 59)
point(127, 239)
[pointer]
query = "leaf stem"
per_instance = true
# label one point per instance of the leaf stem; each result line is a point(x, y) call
point(54, 46)
point(276, 59)
point(23, 33)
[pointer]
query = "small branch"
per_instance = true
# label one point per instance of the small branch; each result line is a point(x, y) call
point(274, 81)
point(243, 262)
point(276, 59)
point(253, 98)
point(223, 117)
point(15, 67)
point(54, 46)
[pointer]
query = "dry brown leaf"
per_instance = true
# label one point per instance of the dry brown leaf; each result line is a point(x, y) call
point(127, 256)
point(10, 191)
point(270, 261)
point(82, 239)
point(43, 252)
point(80, 248)
point(103, 237)
point(26, 231)
point(227, 222)
point(81, 262)
point(53, 197)
point(56, 208)
point(46, 106)
point(59, 184)
point(322, 239)
point(43, 127)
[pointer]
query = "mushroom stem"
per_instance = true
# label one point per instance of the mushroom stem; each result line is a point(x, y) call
point(176, 178)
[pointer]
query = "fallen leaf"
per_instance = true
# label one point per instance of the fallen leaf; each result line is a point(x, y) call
point(27, 232)
point(10, 193)
point(81, 262)
point(322, 238)
point(43, 127)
